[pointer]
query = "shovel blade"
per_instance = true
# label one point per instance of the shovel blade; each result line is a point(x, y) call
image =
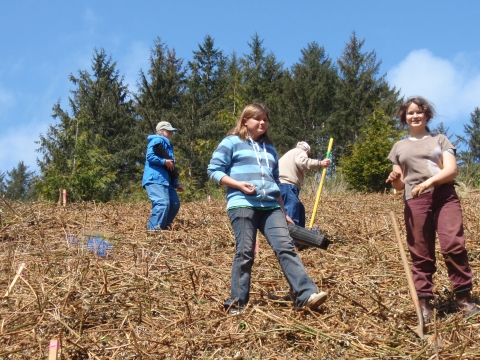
point(419, 331)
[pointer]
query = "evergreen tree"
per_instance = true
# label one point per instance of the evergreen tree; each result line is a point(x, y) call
point(263, 78)
point(160, 90)
point(360, 91)
point(307, 101)
point(19, 184)
point(469, 169)
point(442, 129)
point(58, 149)
point(236, 97)
point(367, 166)
point(2, 184)
point(472, 138)
point(252, 68)
point(262, 73)
point(96, 152)
point(200, 126)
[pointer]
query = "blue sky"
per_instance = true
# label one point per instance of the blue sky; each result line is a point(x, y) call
point(427, 48)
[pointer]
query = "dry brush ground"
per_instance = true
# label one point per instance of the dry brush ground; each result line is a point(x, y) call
point(159, 296)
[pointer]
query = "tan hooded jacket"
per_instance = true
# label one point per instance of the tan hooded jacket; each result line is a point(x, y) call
point(293, 164)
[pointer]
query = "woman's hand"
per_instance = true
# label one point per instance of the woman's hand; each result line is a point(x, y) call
point(447, 173)
point(396, 178)
point(419, 189)
point(393, 176)
point(289, 219)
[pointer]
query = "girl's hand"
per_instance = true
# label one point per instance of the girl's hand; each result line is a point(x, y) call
point(247, 188)
point(180, 188)
point(289, 219)
point(419, 189)
point(392, 177)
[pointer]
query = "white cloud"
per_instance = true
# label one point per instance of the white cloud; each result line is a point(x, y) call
point(472, 93)
point(16, 146)
point(452, 86)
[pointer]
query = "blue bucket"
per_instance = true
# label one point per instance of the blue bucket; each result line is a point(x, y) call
point(98, 246)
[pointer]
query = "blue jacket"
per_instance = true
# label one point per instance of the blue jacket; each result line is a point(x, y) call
point(241, 161)
point(155, 171)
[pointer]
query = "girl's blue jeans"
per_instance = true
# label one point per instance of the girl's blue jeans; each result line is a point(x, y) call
point(273, 226)
point(165, 206)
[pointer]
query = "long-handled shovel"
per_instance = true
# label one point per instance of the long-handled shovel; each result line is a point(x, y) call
point(320, 187)
point(306, 236)
point(413, 293)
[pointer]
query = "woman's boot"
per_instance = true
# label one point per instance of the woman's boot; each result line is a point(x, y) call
point(466, 305)
point(426, 307)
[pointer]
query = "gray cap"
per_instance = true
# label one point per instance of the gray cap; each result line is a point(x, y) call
point(304, 145)
point(165, 125)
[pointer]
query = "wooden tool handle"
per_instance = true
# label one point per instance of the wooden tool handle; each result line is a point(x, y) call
point(411, 286)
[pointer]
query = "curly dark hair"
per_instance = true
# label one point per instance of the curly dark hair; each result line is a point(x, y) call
point(422, 103)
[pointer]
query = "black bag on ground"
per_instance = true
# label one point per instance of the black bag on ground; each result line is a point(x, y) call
point(307, 237)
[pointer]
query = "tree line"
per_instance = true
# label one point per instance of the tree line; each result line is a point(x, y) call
point(96, 147)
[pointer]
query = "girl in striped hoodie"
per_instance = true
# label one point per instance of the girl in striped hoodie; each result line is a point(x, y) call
point(247, 164)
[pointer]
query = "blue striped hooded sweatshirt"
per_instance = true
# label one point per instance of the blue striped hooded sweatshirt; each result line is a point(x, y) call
point(256, 163)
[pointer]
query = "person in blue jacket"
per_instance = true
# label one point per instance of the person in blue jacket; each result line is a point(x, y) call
point(160, 177)
point(247, 164)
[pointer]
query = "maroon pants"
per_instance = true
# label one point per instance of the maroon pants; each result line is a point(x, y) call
point(440, 211)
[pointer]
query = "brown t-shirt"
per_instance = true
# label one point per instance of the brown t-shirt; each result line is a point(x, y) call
point(419, 159)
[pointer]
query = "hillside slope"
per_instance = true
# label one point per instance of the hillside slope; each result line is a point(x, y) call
point(159, 295)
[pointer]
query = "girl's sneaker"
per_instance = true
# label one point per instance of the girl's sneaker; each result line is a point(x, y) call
point(315, 300)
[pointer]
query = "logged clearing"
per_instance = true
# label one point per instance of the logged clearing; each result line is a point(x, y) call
point(159, 295)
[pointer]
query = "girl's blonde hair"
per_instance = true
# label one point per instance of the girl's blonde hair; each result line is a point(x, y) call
point(249, 111)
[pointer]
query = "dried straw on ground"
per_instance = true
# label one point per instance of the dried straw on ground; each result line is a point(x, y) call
point(160, 295)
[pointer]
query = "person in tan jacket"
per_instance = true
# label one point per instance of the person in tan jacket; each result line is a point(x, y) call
point(292, 167)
